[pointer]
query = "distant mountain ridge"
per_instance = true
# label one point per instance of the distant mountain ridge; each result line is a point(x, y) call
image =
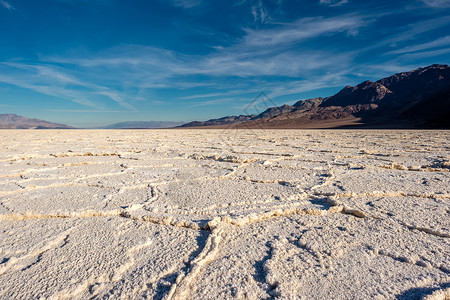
point(143, 125)
point(416, 99)
point(12, 121)
point(221, 121)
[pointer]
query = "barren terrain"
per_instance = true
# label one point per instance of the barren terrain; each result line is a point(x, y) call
point(224, 214)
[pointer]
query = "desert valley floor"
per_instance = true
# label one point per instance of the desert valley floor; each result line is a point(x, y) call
point(224, 214)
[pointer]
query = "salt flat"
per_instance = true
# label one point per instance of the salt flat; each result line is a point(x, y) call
point(224, 214)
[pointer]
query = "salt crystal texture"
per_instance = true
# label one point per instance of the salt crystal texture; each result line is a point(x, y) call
point(212, 214)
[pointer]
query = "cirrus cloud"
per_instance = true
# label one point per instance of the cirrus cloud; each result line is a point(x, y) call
point(437, 3)
point(6, 5)
point(333, 2)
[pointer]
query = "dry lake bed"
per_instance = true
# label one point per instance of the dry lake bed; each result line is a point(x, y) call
point(224, 214)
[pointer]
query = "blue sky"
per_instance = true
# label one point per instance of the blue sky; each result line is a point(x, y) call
point(96, 62)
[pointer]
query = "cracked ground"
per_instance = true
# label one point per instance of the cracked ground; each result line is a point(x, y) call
point(224, 214)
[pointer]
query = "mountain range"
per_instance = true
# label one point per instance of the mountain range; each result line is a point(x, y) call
point(143, 125)
point(416, 99)
point(12, 121)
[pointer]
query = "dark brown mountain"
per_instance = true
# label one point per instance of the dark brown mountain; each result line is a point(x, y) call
point(433, 108)
point(12, 121)
point(416, 99)
point(397, 91)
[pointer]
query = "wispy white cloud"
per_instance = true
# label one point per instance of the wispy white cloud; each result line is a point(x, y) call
point(437, 3)
point(259, 12)
point(262, 54)
point(239, 3)
point(82, 101)
point(117, 98)
point(258, 54)
point(333, 2)
point(426, 54)
point(274, 90)
point(88, 111)
point(157, 102)
point(54, 81)
point(149, 67)
point(303, 29)
point(405, 34)
point(6, 5)
point(210, 95)
point(214, 101)
point(291, 64)
point(413, 30)
point(334, 79)
point(186, 3)
point(77, 2)
point(445, 41)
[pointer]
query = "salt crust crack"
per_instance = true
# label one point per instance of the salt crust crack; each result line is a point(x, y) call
point(183, 285)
